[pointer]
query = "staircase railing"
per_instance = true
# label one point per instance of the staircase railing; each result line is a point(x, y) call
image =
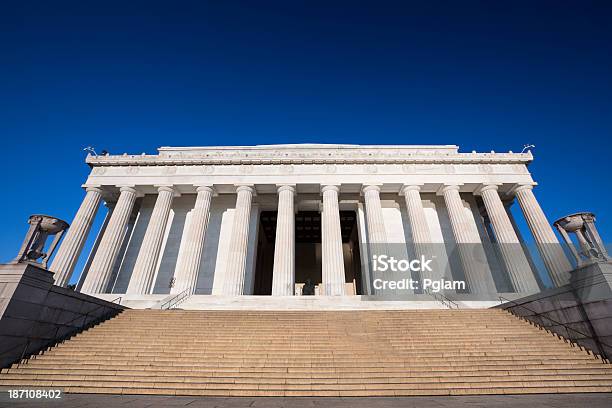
point(56, 339)
point(598, 343)
point(175, 300)
point(442, 299)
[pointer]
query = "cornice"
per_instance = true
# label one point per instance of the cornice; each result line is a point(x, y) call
point(308, 155)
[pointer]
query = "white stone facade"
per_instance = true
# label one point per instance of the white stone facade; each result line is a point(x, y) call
point(188, 219)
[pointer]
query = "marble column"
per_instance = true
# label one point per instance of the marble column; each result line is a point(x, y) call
point(68, 253)
point(377, 236)
point(331, 247)
point(421, 236)
point(470, 248)
point(548, 245)
point(188, 263)
point(141, 281)
point(374, 215)
point(101, 267)
point(512, 253)
point(416, 215)
point(110, 205)
point(283, 274)
point(237, 254)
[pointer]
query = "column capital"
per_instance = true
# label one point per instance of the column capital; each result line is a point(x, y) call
point(205, 188)
point(410, 187)
point(448, 187)
point(486, 187)
point(245, 187)
point(370, 187)
point(128, 189)
point(330, 187)
point(285, 187)
point(519, 187)
point(168, 188)
point(93, 187)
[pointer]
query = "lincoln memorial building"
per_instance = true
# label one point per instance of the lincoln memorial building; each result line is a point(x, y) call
point(266, 220)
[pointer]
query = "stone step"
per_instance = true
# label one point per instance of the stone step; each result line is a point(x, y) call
point(182, 382)
point(286, 367)
point(302, 354)
point(314, 352)
point(319, 340)
point(314, 361)
point(305, 352)
point(485, 390)
point(215, 372)
point(202, 381)
point(369, 353)
point(575, 354)
point(186, 388)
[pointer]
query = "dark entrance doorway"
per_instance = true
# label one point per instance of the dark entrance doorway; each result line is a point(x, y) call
point(307, 250)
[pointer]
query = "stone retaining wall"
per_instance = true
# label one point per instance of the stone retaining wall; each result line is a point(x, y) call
point(35, 314)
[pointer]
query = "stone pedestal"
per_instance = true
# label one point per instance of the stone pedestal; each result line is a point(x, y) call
point(34, 313)
point(585, 305)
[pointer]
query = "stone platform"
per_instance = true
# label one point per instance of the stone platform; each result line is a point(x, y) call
point(219, 302)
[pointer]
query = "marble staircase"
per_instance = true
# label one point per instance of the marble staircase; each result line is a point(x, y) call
point(314, 353)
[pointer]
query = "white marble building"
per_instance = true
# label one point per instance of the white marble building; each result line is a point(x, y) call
point(260, 220)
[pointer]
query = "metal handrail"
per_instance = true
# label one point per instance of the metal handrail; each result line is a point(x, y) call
point(598, 342)
point(442, 299)
point(57, 340)
point(173, 301)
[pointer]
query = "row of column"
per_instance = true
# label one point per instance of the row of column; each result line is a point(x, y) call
point(464, 230)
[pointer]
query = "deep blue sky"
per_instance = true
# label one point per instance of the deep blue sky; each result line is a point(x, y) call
point(130, 76)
